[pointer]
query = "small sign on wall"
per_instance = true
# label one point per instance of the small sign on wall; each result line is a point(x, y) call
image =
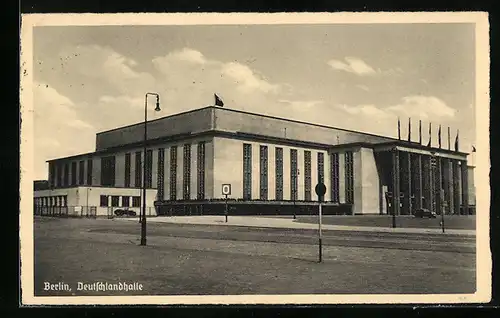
point(226, 189)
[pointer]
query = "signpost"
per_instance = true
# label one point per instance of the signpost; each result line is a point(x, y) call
point(320, 191)
point(226, 190)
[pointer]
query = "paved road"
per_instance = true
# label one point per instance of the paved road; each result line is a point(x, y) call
point(403, 241)
point(214, 260)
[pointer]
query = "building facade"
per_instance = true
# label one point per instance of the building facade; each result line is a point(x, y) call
point(271, 164)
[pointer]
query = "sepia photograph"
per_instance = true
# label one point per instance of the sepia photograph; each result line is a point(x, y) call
point(255, 158)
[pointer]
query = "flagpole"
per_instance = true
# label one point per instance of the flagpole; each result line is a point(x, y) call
point(399, 129)
point(420, 131)
point(449, 140)
point(409, 129)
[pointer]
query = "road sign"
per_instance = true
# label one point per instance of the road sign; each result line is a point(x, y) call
point(320, 189)
point(226, 189)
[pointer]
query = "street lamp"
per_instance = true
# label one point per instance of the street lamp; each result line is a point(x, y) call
point(296, 186)
point(143, 218)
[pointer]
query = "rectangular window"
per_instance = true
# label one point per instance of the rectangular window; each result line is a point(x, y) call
point(127, 170)
point(115, 201)
point(73, 173)
point(294, 174)
point(136, 202)
point(201, 170)
point(149, 169)
point(89, 172)
point(334, 178)
point(59, 175)
point(108, 171)
point(138, 169)
point(186, 169)
point(247, 171)
point(81, 172)
point(66, 175)
point(263, 173)
point(307, 175)
point(161, 174)
point(349, 178)
point(126, 201)
point(279, 173)
point(173, 173)
point(321, 167)
point(104, 200)
point(52, 174)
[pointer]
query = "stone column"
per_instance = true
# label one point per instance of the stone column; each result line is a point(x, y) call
point(456, 187)
point(418, 181)
point(465, 186)
point(395, 182)
point(408, 193)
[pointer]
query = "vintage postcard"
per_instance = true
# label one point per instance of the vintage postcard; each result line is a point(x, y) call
point(312, 158)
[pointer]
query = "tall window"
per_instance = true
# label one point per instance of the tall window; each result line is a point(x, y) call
point(247, 171)
point(108, 171)
point(89, 171)
point(349, 178)
point(293, 174)
point(334, 179)
point(263, 173)
point(59, 175)
point(52, 174)
point(149, 169)
point(81, 172)
point(73, 173)
point(125, 201)
point(307, 175)
point(173, 173)
point(136, 202)
point(186, 168)
point(279, 173)
point(138, 169)
point(115, 201)
point(161, 173)
point(66, 175)
point(127, 170)
point(104, 200)
point(201, 170)
point(321, 167)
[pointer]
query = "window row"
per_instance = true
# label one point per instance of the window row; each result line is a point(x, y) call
point(119, 201)
point(278, 173)
point(70, 173)
point(58, 200)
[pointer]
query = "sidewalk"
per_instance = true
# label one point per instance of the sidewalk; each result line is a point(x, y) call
point(269, 222)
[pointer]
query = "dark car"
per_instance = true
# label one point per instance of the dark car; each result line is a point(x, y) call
point(122, 212)
point(425, 213)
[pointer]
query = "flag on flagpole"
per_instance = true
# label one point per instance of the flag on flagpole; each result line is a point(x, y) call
point(218, 101)
point(473, 149)
point(439, 136)
point(420, 131)
point(399, 129)
point(449, 140)
point(456, 140)
point(430, 135)
point(409, 129)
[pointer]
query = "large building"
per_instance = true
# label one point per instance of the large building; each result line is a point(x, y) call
point(272, 165)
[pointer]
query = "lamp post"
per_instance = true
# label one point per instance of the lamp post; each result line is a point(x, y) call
point(143, 219)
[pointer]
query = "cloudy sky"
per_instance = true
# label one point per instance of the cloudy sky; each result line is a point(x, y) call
point(356, 76)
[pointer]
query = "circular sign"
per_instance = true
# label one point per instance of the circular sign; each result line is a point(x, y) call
point(226, 189)
point(320, 189)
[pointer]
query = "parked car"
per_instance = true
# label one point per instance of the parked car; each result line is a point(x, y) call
point(425, 213)
point(122, 212)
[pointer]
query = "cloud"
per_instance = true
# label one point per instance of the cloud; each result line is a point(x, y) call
point(304, 104)
point(423, 107)
point(368, 110)
point(58, 129)
point(363, 87)
point(352, 65)
point(246, 79)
